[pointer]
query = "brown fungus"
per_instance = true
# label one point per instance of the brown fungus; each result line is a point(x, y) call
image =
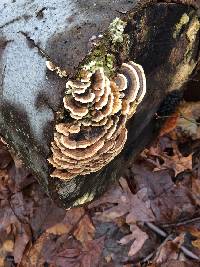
point(74, 108)
point(98, 109)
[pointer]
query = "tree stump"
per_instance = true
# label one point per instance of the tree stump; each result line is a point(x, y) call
point(163, 37)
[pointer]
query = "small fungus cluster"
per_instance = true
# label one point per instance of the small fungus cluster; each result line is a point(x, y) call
point(98, 109)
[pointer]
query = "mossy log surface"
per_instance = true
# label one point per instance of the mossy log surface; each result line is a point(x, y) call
point(163, 38)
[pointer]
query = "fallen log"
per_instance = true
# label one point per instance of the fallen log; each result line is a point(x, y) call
point(161, 36)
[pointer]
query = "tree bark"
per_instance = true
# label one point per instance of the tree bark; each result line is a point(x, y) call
point(164, 39)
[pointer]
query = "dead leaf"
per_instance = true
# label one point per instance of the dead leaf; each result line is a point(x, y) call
point(69, 221)
point(196, 188)
point(85, 230)
point(20, 207)
point(33, 256)
point(177, 163)
point(23, 236)
point(170, 124)
point(196, 243)
point(45, 213)
point(76, 256)
point(188, 121)
point(6, 248)
point(137, 236)
point(195, 232)
point(178, 263)
point(162, 160)
point(136, 206)
point(168, 251)
point(59, 229)
point(8, 245)
point(168, 201)
point(60, 238)
point(92, 252)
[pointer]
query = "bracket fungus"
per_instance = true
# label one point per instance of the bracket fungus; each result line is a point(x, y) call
point(81, 128)
point(97, 109)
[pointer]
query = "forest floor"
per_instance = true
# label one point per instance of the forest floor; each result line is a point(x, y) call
point(151, 217)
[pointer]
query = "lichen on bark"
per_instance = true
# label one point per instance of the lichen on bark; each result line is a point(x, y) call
point(107, 46)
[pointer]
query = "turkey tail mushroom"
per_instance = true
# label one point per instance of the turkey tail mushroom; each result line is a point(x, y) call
point(98, 109)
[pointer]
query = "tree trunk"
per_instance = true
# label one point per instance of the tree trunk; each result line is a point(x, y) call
point(163, 38)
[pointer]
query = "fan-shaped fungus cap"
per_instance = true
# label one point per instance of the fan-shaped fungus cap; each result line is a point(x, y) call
point(121, 81)
point(99, 109)
point(133, 83)
point(75, 109)
point(142, 81)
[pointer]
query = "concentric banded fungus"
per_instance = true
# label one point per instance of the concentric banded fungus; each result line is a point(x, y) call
point(98, 109)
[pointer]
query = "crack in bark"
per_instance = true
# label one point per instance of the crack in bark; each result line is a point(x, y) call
point(14, 20)
point(32, 44)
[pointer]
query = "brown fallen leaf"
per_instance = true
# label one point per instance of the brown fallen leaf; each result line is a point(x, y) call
point(177, 163)
point(43, 214)
point(71, 218)
point(168, 251)
point(161, 160)
point(137, 236)
point(188, 121)
point(77, 256)
point(168, 201)
point(59, 229)
point(196, 243)
point(23, 237)
point(34, 256)
point(6, 248)
point(196, 188)
point(12, 219)
point(135, 206)
point(195, 232)
point(170, 124)
point(85, 230)
point(176, 263)
point(63, 250)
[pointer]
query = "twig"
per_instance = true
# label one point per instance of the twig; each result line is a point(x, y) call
point(163, 117)
point(181, 223)
point(189, 253)
point(181, 116)
point(160, 232)
point(148, 257)
point(156, 229)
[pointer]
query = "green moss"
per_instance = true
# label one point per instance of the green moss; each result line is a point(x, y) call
point(84, 199)
point(100, 57)
point(100, 60)
point(188, 64)
point(193, 30)
point(104, 54)
point(183, 21)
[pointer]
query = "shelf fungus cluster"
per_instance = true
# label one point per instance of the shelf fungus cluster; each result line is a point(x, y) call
point(98, 109)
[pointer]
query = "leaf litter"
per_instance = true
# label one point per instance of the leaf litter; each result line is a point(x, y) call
point(160, 194)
